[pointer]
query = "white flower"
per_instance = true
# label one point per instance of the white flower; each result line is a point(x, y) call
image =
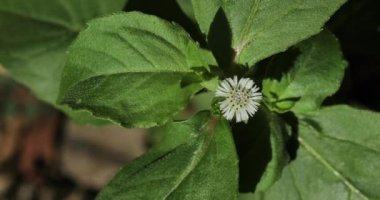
point(241, 98)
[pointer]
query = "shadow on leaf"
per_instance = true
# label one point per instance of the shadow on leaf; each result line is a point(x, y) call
point(261, 149)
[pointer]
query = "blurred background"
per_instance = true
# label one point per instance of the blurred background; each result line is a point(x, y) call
point(46, 156)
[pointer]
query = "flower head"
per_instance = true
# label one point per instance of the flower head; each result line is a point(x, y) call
point(241, 98)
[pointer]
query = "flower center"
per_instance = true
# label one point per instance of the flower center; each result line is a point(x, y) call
point(239, 97)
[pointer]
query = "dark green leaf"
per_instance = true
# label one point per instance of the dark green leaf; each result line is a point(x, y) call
point(261, 28)
point(34, 36)
point(338, 158)
point(316, 74)
point(196, 160)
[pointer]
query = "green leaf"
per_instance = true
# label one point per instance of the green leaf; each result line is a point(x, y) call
point(247, 196)
point(316, 74)
point(261, 28)
point(204, 12)
point(338, 158)
point(196, 160)
point(261, 149)
point(187, 8)
point(211, 84)
point(133, 68)
point(34, 36)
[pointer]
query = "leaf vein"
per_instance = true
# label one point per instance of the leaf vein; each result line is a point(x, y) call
point(202, 150)
point(320, 134)
point(131, 45)
point(292, 175)
point(158, 37)
point(334, 171)
point(248, 24)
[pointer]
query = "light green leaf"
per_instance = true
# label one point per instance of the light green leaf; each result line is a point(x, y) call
point(261, 149)
point(338, 158)
point(187, 8)
point(261, 28)
point(196, 160)
point(34, 36)
point(317, 74)
point(133, 68)
point(204, 12)
point(213, 23)
point(211, 84)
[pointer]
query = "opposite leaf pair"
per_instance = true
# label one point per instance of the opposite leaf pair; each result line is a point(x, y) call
point(125, 65)
point(139, 70)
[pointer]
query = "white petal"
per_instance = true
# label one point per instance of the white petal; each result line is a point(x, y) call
point(236, 81)
point(220, 93)
point(244, 115)
point(251, 109)
point(224, 104)
point(225, 85)
point(249, 84)
point(243, 82)
point(231, 82)
point(255, 89)
point(256, 97)
point(230, 114)
point(238, 117)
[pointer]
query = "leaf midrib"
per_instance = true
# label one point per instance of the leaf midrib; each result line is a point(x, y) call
point(269, 25)
point(199, 154)
point(124, 73)
point(153, 68)
point(253, 37)
point(247, 26)
point(330, 168)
